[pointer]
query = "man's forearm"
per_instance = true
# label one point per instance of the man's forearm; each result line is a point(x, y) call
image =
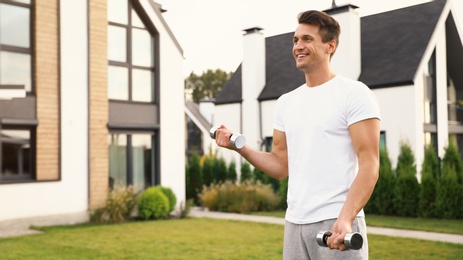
point(270, 163)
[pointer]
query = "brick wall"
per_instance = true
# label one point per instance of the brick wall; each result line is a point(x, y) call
point(98, 102)
point(46, 80)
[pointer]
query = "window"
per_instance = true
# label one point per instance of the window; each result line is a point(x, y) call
point(382, 140)
point(131, 160)
point(15, 43)
point(131, 72)
point(430, 103)
point(17, 154)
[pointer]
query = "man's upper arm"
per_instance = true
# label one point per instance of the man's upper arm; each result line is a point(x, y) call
point(365, 139)
point(279, 148)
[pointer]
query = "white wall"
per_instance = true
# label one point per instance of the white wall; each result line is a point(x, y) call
point(70, 194)
point(230, 116)
point(172, 123)
point(268, 111)
point(397, 106)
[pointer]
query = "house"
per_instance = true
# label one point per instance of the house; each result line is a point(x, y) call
point(104, 99)
point(411, 58)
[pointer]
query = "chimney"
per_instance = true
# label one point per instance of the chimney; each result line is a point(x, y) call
point(347, 59)
point(252, 82)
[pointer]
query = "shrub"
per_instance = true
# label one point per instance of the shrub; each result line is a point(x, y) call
point(245, 172)
point(194, 178)
point(208, 171)
point(407, 188)
point(118, 206)
point(452, 159)
point(381, 199)
point(429, 174)
point(232, 175)
point(449, 194)
point(221, 168)
point(153, 204)
point(283, 193)
point(244, 197)
point(170, 196)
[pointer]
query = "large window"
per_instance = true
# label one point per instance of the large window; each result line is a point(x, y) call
point(131, 160)
point(17, 150)
point(15, 43)
point(430, 99)
point(131, 71)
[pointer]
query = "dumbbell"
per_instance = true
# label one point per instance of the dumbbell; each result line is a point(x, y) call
point(237, 140)
point(351, 240)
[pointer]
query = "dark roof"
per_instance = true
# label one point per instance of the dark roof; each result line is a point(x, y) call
point(393, 44)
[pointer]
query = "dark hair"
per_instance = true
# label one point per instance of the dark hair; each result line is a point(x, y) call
point(329, 28)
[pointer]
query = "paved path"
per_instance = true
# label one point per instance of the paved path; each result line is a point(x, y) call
point(448, 238)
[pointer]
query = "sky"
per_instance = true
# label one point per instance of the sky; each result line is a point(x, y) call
point(210, 32)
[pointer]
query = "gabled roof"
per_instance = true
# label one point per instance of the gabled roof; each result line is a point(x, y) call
point(192, 111)
point(393, 44)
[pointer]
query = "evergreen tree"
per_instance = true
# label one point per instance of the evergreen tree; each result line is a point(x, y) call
point(453, 159)
point(381, 199)
point(245, 172)
point(221, 170)
point(232, 175)
point(407, 188)
point(429, 173)
point(208, 172)
point(194, 178)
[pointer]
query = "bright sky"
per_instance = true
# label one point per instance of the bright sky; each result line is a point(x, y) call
point(211, 31)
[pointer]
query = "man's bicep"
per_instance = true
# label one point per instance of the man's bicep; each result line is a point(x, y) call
point(365, 135)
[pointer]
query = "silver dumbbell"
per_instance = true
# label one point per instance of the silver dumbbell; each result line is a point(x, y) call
point(351, 240)
point(237, 140)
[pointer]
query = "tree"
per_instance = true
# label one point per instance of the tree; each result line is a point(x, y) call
point(207, 85)
point(407, 188)
point(429, 174)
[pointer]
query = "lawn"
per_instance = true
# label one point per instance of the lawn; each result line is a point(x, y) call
point(191, 239)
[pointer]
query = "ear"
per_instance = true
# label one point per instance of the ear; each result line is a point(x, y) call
point(332, 45)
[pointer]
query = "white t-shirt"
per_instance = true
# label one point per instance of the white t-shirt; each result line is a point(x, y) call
point(322, 163)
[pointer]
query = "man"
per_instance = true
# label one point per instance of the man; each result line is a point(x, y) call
point(326, 140)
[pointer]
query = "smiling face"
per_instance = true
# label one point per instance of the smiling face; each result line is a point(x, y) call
point(309, 50)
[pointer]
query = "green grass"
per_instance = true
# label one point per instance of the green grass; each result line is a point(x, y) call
point(191, 239)
point(449, 226)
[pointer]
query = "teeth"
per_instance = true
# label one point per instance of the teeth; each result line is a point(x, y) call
point(301, 55)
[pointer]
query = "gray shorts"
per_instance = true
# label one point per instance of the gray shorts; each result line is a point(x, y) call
point(300, 241)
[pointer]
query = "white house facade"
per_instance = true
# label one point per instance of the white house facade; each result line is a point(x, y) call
point(409, 57)
point(103, 106)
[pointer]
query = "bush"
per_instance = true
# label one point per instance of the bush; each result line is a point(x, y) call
point(208, 171)
point(118, 206)
point(244, 197)
point(452, 159)
point(193, 185)
point(232, 175)
point(221, 168)
point(283, 193)
point(381, 199)
point(407, 188)
point(429, 174)
point(170, 196)
point(449, 194)
point(245, 172)
point(153, 204)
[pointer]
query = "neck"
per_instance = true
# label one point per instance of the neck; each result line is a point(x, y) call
point(317, 78)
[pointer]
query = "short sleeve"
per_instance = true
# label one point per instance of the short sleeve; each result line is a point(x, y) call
point(362, 104)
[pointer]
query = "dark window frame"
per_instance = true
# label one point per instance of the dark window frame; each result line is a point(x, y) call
point(128, 64)
point(22, 50)
point(32, 154)
point(154, 178)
